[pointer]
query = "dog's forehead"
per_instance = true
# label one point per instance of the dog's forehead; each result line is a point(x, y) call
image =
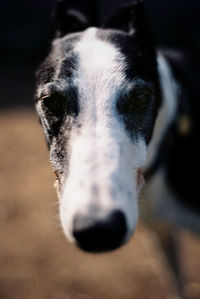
point(93, 49)
point(79, 58)
point(103, 55)
point(89, 50)
point(92, 38)
point(100, 64)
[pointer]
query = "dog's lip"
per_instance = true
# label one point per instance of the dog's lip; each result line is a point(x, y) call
point(139, 179)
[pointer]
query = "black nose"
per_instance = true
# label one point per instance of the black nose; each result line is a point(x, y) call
point(100, 235)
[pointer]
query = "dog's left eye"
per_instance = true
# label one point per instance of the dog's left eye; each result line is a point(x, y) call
point(135, 102)
point(55, 104)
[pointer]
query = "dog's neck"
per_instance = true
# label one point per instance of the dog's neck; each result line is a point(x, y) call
point(167, 111)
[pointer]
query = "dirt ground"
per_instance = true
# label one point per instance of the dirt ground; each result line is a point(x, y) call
point(37, 262)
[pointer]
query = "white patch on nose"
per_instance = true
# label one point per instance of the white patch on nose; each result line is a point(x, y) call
point(103, 161)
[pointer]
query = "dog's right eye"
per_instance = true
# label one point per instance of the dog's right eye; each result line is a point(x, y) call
point(55, 104)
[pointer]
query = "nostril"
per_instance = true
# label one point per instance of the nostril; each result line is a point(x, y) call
point(100, 235)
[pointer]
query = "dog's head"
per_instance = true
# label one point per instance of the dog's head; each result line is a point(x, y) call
point(97, 98)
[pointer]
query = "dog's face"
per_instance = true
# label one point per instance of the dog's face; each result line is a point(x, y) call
point(97, 100)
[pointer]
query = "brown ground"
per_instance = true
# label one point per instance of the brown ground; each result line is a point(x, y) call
point(36, 261)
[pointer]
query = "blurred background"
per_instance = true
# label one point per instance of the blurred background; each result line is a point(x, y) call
point(35, 259)
point(25, 37)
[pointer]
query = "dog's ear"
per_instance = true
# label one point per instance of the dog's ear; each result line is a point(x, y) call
point(130, 18)
point(67, 19)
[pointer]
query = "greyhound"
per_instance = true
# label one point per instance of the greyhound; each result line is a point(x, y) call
point(105, 98)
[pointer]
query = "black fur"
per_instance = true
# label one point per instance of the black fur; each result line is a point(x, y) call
point(129, 18)
point(73, 16)
point(183, 163)
point(139, 50)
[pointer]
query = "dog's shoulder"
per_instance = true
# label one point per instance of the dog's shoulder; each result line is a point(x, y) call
point(182, 159)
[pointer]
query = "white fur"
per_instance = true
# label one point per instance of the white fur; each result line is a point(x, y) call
point(166, 114)
point(103, 161)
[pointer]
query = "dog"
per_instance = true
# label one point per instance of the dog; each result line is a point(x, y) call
point(109, 104)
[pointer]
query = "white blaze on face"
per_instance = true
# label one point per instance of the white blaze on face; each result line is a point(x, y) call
point(103, 161)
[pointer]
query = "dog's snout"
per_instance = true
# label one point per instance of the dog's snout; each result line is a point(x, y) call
point(100, 235)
